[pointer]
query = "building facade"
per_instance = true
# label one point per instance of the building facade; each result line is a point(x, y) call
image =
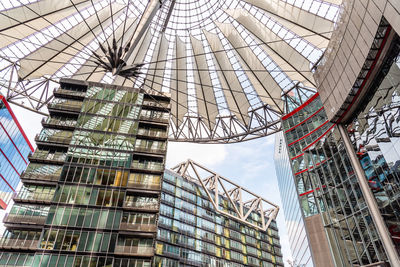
point(15, 149)
point(94, 194)
point(294, 219)
point(192, 233)
point(343, 143)
point(90, 196)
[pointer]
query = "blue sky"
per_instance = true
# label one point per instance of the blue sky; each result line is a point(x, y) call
point(249, 164)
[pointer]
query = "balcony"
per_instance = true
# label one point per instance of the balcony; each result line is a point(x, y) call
point(144, 186)
point(34, 198)
point(150, 150)
point(138, 227)
point(69, 106)
point(18, 243)
point(46, 156)
point(54, 139)
point(154, 119)
point(141, 206)
point(69, 93)
point(24, 219)
point(40, 177)
point(157, 104)
point(59, 124)
point(152, 133)
point(134, 251)
point(148, 165)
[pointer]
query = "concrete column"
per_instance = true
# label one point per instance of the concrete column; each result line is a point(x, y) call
point(370, 200)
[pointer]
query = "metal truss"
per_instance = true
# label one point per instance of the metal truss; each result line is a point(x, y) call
point(227, 129)
point(228, 81)
point(244, 202)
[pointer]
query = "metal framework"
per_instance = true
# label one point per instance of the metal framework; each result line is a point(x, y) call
point(243, 201)
point(232, 68)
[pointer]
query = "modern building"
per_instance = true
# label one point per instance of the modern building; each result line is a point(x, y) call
point(343, 143)
point(93, 192)
point(331, 164)
point(93, 182)
point(294, 219)
point(207, 220)
point(15, 149)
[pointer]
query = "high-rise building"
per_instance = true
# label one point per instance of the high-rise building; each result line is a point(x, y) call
point(15, 149)
point(343, 143)
point(95, 176)
point(207, 220)
point(294, 219)
point(93, 192)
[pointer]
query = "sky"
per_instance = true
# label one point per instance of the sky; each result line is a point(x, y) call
point(249, 164)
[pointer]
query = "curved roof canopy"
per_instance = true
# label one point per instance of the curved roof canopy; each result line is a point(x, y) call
point(232, 68)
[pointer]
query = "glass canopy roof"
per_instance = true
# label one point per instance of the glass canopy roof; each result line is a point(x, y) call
point(232, 68)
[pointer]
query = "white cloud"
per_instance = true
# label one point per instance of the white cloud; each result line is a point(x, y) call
point(204, 154)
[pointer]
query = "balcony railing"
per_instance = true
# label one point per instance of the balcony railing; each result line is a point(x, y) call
point(67, 106)
point(141, 206)
point(45, 155)
point(70, 92)
point(134, 251)
point(38, 197)
point(155, 119)
point(54, 121)
point(150, 150)
point(40, 177)
point(24, 219)
point(144, 186)
point(152, 133)
point(150, 166)
point(156, 104)
point(18, 243)
point(138, 227)
point(54, 139)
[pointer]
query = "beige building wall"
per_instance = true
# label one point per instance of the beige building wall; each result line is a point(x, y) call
point(349, 46)
point(318, 241)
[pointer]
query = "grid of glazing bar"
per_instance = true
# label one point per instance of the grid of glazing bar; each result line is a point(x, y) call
point(295, 224)
point(91, 195)
point(192, 233)
point(326, 184)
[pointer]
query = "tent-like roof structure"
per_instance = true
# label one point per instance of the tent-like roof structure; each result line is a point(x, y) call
point(232, 67)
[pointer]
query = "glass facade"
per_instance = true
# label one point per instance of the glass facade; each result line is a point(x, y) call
point(192, 233)
point(326, 185)
point(296, 228)
point(375, 135)
point(90, 195)
point(14, 151)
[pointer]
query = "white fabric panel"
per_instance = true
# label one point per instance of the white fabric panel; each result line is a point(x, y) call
point(52, 12)
point(206, 103)
point(316, 40)
point(153, 64)
point(156, 74)
point(87, 69)
point(179, 99)
point(288, 58)
point(233, 91)
point(144, 22)
point(62, 49)
point(14, 16)
point(141, 49)
point(289, 12)
point(266, 87)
